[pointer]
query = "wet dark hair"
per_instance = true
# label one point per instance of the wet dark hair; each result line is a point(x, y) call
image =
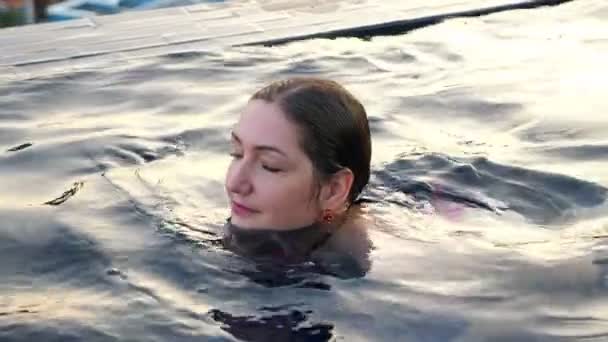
point(332, 122)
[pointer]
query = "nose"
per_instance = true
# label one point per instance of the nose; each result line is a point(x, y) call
point(238, 178)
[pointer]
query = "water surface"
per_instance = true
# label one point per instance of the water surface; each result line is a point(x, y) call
point(489, 191)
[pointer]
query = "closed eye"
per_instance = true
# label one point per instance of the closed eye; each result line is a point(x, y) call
point(271, 169)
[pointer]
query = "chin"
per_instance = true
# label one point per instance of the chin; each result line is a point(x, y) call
point(246, 223)
point(243, 222)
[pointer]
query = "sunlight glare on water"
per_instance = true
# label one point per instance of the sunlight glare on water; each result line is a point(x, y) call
point(488, 191)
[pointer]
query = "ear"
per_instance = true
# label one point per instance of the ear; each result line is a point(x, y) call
point(334, 193)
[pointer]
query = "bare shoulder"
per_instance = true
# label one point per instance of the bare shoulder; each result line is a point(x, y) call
point(354, 231)
point(350, 246)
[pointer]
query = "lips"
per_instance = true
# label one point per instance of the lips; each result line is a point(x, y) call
point(242, 210)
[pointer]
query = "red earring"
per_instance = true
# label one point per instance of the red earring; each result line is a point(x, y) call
point(328, 216)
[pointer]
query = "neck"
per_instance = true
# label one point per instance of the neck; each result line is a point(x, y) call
point(289, 246)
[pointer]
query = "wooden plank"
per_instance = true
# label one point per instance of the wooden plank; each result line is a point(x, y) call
point(233, 23)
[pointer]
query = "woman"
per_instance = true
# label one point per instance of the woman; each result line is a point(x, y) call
point(301, 157)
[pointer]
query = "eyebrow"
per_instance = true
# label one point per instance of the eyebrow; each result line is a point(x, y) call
point(260, 147)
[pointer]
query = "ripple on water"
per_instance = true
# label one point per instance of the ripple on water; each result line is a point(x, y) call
point(499, 248)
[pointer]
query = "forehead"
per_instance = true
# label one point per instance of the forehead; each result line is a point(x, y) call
point(264, 123)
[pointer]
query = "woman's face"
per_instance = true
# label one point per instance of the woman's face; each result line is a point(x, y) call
point(270, 180)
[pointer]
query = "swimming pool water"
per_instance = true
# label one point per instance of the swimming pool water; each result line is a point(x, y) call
point(489, 191)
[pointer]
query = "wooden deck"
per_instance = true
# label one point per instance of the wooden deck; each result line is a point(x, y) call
point(55, 46)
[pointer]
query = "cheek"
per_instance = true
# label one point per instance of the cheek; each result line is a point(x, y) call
point(289, 194)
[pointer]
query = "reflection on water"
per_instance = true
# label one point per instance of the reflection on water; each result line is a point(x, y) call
point(277, 327)
point(488, 192)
